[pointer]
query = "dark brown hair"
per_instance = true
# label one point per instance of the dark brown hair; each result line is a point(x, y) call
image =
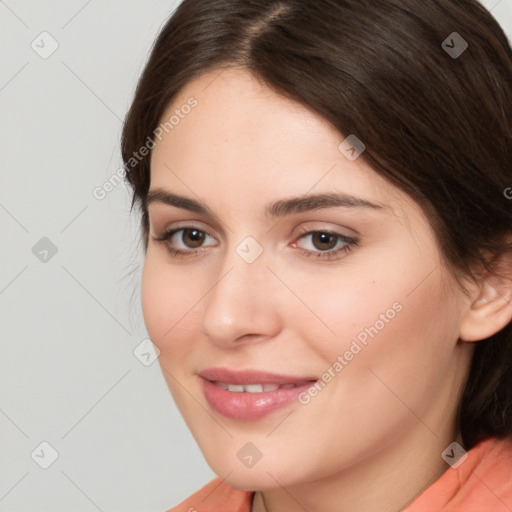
point(436, 125)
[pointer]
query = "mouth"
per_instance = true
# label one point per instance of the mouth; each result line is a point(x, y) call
point(257, 388)
point(250, 395)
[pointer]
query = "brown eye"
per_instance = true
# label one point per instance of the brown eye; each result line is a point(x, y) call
point(326, 245)
point(189, 240)
point(324, 241)
point(192, 238)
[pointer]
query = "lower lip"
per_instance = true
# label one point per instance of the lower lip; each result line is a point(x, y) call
point(249, 406)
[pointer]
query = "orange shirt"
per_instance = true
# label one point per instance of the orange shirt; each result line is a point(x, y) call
point(482, 483)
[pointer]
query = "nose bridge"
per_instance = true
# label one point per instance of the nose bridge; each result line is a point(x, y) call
point(239, 303)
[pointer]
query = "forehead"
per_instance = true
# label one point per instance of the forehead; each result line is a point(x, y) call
point(233, 106)
point(242, 136)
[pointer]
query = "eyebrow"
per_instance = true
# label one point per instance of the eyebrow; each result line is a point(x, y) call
point(279, 208)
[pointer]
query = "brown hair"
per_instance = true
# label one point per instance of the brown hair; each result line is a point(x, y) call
point(438, 125)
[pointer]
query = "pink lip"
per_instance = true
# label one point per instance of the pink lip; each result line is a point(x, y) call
point(250, 406)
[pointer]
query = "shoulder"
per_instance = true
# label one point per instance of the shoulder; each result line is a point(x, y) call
point(216, 495)
point(481, 482)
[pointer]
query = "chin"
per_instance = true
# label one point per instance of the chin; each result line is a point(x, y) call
point(264, 475)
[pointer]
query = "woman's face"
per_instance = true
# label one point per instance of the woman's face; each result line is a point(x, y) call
point(272, 280)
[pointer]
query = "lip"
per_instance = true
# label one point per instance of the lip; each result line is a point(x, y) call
point(250, 406)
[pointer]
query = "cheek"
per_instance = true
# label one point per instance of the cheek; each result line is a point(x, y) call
point(167, 299)
point(153, 299)
point(354, 302)
point(397, 347)
point(166, 303)
point(400, 323)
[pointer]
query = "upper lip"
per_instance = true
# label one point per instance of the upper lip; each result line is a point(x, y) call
point(250, 377)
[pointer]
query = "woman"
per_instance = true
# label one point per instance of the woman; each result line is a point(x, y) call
point(327, 233)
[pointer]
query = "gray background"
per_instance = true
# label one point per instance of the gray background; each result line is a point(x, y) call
point(71, 320)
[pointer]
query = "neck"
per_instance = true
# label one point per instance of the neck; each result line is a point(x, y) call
point(387, 482)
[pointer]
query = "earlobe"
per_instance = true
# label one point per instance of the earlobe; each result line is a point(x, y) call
point(490, 311)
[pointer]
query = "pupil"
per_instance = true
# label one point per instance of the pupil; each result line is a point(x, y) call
point(324, 237)
point(195, 236)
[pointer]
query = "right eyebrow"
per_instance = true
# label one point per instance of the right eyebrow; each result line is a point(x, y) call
point(161, 196)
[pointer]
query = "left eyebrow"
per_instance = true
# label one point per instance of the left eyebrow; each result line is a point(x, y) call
point(280, 208)
point(294, 205)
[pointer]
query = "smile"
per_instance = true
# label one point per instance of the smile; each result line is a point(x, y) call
point(251, 394)
point(256, 388)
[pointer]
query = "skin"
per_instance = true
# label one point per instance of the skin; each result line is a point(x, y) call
point(382, 423)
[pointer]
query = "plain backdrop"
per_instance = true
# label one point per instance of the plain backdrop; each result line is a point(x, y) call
point(86, 422)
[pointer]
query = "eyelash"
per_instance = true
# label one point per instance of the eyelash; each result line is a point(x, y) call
point(350, 243)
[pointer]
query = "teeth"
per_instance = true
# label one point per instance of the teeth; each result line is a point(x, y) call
point(236, 388)
point(252, 388)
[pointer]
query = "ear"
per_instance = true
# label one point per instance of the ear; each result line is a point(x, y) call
point(490, 304)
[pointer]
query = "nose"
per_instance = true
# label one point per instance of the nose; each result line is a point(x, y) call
point(241, 306)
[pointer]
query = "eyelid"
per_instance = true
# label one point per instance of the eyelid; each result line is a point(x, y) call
point(347, 241)
point(158, 216)
point(170, 232)
point(307, 228)
point(191, 224)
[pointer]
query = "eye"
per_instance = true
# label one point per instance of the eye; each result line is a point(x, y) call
point(327, 244)
point(191, 240)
